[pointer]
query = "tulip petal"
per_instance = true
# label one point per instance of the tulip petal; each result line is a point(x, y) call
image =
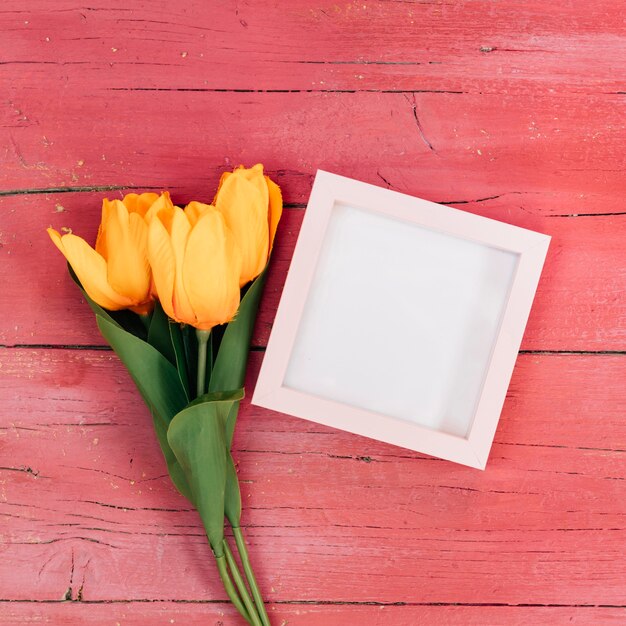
point(139, 203)
point(211, 271)
point(101, 246)
point(179, 231)
point(194, 210)
point(223, 178)
point(276, 208)
point(246, 214)
point(255, 176)
point(163, 202)
point(128, 271)
point(163, 263)
point(91, 270)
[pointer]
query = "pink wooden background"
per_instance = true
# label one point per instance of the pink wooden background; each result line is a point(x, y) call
point(513, 110)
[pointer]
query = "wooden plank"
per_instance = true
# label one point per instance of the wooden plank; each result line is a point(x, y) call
point(580, 303)
point(511, 110)
point(457, 46)
point(199, 614)
point(86, 504)
point(549, 154)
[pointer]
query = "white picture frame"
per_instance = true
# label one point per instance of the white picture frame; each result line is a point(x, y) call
point(401, 319)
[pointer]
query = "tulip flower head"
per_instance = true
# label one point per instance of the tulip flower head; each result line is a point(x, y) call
point(116, 275)
point(251, 204)
point(194, 260)
point(196, 265)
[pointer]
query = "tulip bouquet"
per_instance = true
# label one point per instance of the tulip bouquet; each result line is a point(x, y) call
point(175, 293)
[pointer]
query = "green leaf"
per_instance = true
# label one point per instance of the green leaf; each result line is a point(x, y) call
point(229, 370)
point(226, 403)
point(159, 333)
point(173, 466)
point(223, 403)
point(190, 348)
point(224, 397)
point(157, 381)
point(176, 341)
point(196, 435)
point(154, 375)
point(232, 496)
point(113, 326)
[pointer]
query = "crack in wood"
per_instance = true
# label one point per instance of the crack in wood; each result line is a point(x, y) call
point(389, 185)
point(59, 539)
point(101, 471)
point(574, 352)
point(51, 346)
point(130, 508)
point(364, 62)
point(224, 90)
point(484, 199)
point(45, 190)
point(413, 103)
point(548, 445)
point(45, 62)
point(146, 534)
point(328, 603)
point(487, 49)
point(24, 469)
point(68, 591)
point(587, 214)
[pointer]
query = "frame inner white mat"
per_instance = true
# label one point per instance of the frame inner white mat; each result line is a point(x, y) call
point(400, 319)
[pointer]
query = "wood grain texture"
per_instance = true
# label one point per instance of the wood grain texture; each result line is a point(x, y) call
point(510, 110)
point(200, 614)
point(477, 46)
point(441, 146)
point(88, 508)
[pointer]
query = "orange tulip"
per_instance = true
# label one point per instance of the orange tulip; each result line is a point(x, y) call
point(251, 204)
point(116, 274)
point(196, 265)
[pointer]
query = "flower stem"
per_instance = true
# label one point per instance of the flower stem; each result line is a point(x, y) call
point(241, 586)
point(203, 338)
point(230, 589)
point(247, 568)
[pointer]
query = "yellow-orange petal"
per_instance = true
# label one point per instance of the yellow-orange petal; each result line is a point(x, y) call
point(144, 308)
point(163, 264)
point(211, 271)
point(246, 214)
point(275, 208)
point(101, 246)
point(254, 175)
point(223, 178)
point(163, 202)
point(194, 210)
point(139, 202)
point(179, 231)
point(91, 270)
point(128, 271)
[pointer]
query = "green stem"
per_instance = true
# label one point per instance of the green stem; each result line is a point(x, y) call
point(241, 586)
point(230, 590)
point(203, 338)
point(247, 568)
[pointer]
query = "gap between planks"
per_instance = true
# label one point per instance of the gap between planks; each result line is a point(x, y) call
point(324, 603)
point(288, 205)
point(105, 348)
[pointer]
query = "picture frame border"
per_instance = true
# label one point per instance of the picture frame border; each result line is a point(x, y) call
point(331, 189)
